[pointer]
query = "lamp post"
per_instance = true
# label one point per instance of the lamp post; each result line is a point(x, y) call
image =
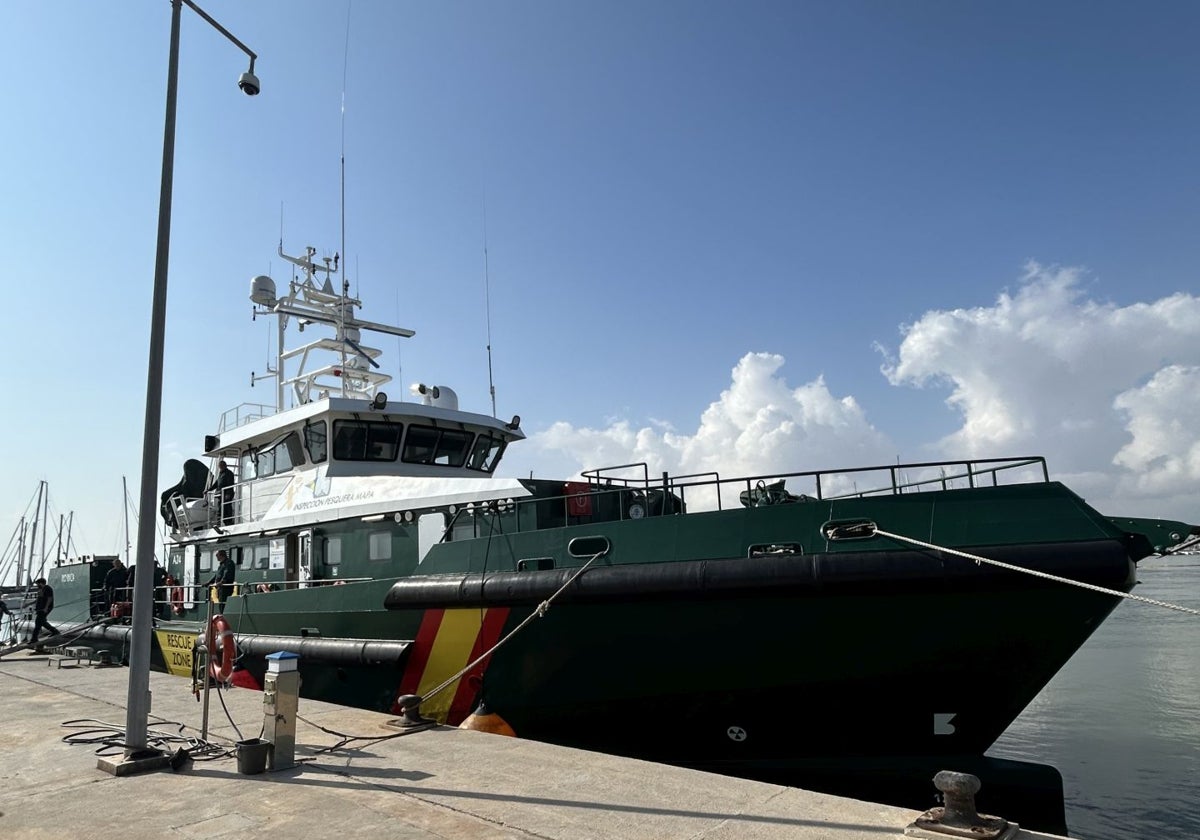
point(138, 704)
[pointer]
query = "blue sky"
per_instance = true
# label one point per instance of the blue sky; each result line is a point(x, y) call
point(753, 236)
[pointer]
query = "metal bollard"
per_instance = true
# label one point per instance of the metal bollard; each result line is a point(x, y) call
point(958, 816)
point(958, 798)
point(410, 710)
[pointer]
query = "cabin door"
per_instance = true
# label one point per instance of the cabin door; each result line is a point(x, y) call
point(430, 528)
point(304, 554)
point(181, 564)
point(292, 564)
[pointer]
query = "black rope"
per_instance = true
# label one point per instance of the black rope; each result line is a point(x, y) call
point(110, 739)
point(346, 740)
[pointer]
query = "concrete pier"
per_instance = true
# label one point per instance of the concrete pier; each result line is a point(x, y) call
point(436, 783)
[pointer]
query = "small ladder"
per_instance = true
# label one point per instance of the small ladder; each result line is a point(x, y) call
point(183, 524)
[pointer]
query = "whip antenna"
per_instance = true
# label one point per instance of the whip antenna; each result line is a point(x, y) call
point(345, 66)
point(487, 305)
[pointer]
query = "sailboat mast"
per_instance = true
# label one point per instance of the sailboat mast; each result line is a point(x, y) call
point(37, 514)
point(45, 528)
point(125, 505)
point(21, 554)
point(70, 522)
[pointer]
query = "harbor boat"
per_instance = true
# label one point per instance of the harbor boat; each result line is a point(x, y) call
point(746, 625)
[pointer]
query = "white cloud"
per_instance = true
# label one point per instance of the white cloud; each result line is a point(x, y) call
point(1109, 394)
point(1164, 455)
point(758, 425)
point(1049, 371)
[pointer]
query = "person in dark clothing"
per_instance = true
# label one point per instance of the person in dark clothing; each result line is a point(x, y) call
point(158, 597)
point(223, 579)
point(223, 483)
point(114, 585)
point(5, 611)
point(42, 608)
point(162, 608)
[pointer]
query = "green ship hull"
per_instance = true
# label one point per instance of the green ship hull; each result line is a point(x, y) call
point(734, 640)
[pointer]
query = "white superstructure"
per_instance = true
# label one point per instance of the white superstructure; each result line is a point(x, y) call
point(341, 448)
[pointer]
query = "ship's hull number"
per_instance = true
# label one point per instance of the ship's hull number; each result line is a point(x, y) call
point(942, 723)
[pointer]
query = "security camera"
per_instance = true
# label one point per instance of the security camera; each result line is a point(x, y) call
point(249, 83)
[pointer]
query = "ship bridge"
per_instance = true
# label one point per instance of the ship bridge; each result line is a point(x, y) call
point(341, 446)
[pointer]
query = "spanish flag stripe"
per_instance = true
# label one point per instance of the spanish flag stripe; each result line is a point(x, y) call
point(419, 656)
point(451, 651)
point(468, 687)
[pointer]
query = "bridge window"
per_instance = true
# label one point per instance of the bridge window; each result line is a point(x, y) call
point(431, 445)
point(279, 456)
point(366, 440)
point(314, 440)
point(486, 453)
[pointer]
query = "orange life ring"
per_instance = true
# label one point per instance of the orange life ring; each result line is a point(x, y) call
point(177, 600)
point(220, 659)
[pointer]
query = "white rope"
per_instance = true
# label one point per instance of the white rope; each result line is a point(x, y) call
point(537, 613)
point(1184, 547)
point(1114, 592)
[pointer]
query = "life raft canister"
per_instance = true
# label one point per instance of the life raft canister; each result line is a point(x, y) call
point(579, 498)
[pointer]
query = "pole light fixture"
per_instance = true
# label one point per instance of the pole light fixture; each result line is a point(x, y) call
point(138, 754)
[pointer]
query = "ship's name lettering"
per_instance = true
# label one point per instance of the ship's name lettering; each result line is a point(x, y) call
point(335, 500)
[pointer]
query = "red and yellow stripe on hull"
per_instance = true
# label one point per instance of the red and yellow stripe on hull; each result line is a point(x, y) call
point(445, 643)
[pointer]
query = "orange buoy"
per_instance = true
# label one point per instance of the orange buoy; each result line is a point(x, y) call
point(485, 720)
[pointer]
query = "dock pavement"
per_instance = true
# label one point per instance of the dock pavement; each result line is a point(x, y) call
point(436, 783)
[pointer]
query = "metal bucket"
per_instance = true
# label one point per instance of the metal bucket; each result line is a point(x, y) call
point(252, 756)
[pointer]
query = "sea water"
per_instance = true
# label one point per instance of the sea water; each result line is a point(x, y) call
point(1121, 721)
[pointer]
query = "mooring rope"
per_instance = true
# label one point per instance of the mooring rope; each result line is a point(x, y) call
point(537, 613)
point(1184, 547)
point(1114, 592)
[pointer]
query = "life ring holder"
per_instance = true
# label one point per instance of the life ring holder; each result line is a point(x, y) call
point(222, 649)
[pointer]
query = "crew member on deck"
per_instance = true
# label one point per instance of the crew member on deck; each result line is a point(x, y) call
point(114, 585)
point(223, 481)
point(162, 607)
point(223, 579)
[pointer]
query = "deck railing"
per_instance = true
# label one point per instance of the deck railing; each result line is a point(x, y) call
point(714, 492)
point(242, 414)
point(610, 493)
